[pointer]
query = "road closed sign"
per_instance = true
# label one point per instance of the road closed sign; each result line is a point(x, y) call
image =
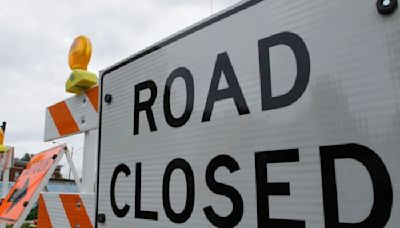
point(268, 114)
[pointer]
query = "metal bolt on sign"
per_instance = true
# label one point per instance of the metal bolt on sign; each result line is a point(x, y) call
point(108, 98)
point(101, 218)
point(386, 7)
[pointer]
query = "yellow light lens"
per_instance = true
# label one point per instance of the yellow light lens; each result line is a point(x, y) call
point(80, 53)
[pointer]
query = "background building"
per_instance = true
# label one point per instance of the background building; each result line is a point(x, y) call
point(19, 165)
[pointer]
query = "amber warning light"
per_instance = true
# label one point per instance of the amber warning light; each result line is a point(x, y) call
point(80, 79)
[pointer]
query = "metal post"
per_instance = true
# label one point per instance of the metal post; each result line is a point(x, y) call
point(72, 154)
point(89, 161)
point(73, 169)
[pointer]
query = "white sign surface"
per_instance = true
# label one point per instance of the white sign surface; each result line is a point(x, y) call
point(269, 114)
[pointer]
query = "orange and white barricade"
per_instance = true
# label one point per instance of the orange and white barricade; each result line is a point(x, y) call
point(77, 114)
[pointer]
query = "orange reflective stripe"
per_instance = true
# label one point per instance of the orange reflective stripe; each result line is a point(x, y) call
point(75, 210)
point(43, 217)
point(93, 95)
point(63, 119)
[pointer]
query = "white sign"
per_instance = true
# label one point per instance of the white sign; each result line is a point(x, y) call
point(269, 114)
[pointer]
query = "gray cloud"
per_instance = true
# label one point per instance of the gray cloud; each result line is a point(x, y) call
point(35, 39)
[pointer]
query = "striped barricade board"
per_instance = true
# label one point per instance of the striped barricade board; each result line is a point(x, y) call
point(73, 115)
point(63, 209)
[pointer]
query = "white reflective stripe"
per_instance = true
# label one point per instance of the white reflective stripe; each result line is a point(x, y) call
point(89, 202)
point(83, 112)
point(50, 129)
point(55, 210)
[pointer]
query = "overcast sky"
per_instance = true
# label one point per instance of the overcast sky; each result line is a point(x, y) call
point(35, 40)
